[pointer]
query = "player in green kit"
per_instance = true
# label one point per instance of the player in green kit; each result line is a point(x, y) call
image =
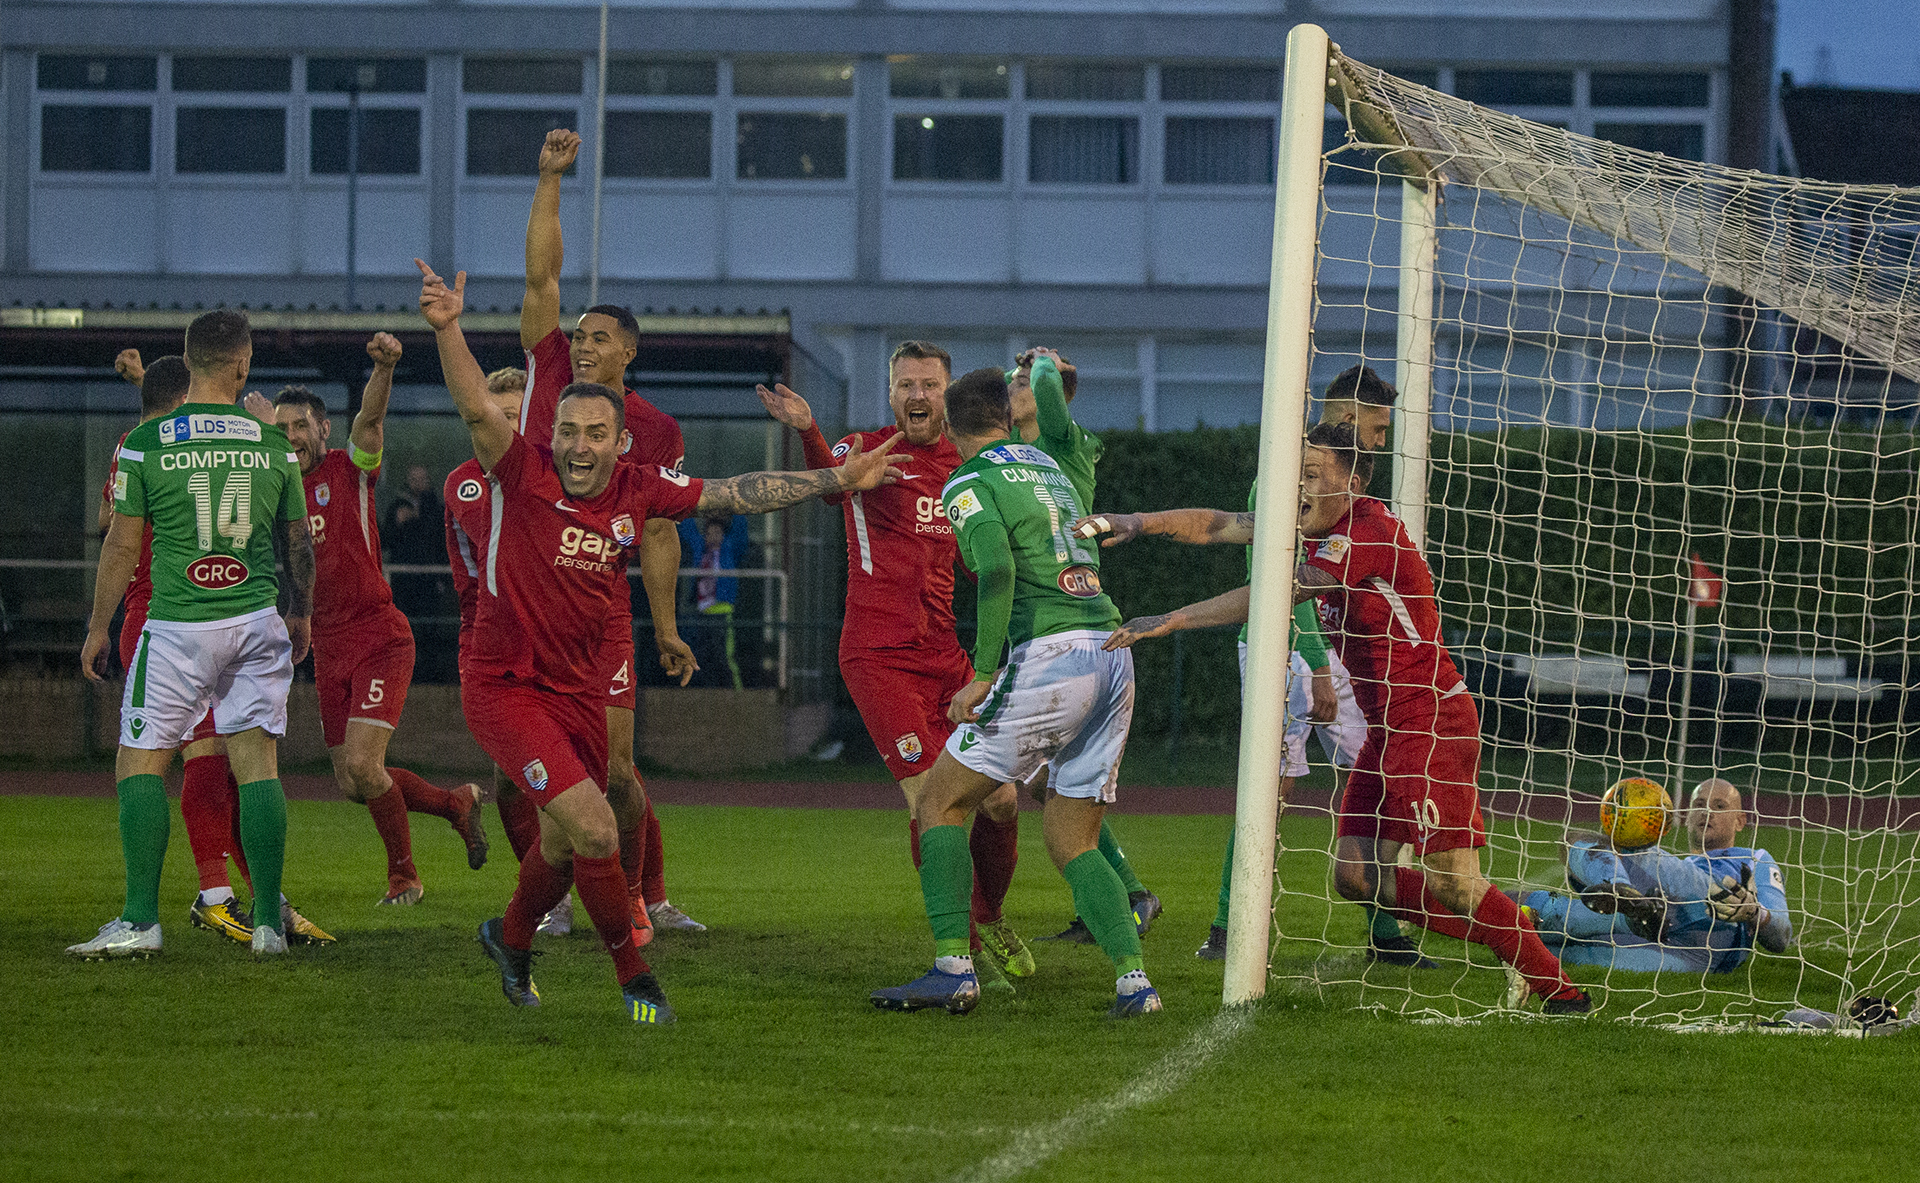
point(1039, 387)
point(215, 483)
point(1060, 699)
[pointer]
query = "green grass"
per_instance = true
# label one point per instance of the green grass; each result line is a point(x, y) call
point(392, 1054)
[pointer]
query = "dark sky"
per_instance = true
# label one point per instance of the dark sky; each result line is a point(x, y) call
point(1872, 42)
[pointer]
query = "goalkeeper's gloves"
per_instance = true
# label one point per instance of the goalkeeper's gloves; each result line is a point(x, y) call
point(1734, 901)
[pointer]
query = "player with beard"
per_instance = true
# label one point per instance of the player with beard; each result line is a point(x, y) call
point(601, 346)
point(362, 644)
point(561, 517)
point(899, 656)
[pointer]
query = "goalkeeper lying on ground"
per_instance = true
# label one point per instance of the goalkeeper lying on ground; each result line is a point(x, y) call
point(1650, 910)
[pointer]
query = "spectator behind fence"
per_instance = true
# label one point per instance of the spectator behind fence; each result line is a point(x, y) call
point(414, 533)
point(715, 543)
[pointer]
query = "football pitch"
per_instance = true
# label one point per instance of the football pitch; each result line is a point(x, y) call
point(392, 1054)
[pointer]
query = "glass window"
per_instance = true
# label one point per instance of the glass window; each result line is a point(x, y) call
point(800, 78)
point(630, 76)
point(243, 75)
point(947, 147)
point(1219, 152)
point(1515, 88)
point(774, 147)
point(369, 75)
point(1687, 141)
point(96, 139)
point(522, 75)
point(945, 78)
point(661, 145)
point(1218, 84)
point(507, 143)
point(230, 140)
point(389, 141)
point(92, 72)
point(1078, 150)
point(1648, 90)
point(1085, 81)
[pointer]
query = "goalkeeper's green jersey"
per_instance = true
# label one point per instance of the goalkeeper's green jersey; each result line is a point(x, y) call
point(1013, 508)
point(212, 480)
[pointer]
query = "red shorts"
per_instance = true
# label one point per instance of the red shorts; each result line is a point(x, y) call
point(546, 741)
point(363, 675)
point(130, 629)
point(1419, 783)
point(616, 660)
point(902, 696)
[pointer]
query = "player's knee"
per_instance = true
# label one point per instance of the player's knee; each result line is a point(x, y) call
point(1353, 882)
point(1002, 805)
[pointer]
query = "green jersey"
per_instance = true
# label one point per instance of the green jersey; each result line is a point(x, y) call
point(1307, 641)
point(1013, 509)
point(1075, 448)
point(212, 480)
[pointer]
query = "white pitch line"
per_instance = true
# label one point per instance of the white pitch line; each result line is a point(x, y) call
point(1036, 1144)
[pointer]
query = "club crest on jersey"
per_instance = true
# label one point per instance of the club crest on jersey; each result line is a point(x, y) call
point(909, 747)
point(181, 428)
point(623, 529)
point(673, 476)
point(1334, 548)
point(965, 504)
point(536, 774)
point(322, 494)
point(1080, 581)
point(469, 490)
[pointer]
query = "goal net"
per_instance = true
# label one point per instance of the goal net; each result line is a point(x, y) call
point(1610, 362)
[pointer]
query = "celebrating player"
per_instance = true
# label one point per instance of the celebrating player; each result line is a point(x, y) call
point(1648, 910)
point(602, 344)
point(531, 690)
point(212, 482)
point(899, 656)
point(362, 644)
point(1060, 698)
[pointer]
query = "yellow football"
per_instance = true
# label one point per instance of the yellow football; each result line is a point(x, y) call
point(1634, 813)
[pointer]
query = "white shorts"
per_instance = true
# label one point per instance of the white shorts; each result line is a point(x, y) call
point(1340, 739)
point(1060, 699)
point(240, 668)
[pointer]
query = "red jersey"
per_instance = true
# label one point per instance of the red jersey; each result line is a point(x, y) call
point(656, 434)
point(140, 588)
point(552, 570)
point(469, 524)
point(900, 547)
point(347, 580)
point(1383, 620)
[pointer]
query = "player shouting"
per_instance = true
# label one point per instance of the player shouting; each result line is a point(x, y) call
point(899, 656)
point(561, 518)
point(213, 483)
point(603, 343)
point(362, 644)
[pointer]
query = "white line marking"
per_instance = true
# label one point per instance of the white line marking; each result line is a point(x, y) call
point(1036, 1144)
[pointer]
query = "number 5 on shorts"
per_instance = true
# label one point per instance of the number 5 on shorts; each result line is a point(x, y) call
point(376, 694)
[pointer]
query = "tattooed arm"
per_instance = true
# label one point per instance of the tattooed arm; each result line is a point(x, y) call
point(1196, 527)
point(764, 492)
point(300, 569)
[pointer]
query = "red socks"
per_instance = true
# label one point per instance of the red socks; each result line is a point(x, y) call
point(653, 878)
point(1418, 905)
point(521, 821)
point(207, 807)
point(1498, 924)
point(603, 891)
point(542, 886)
point(633, 852)
point(996, 848)
point(421, 797)
point(389, 812)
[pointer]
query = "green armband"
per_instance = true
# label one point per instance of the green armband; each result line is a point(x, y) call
point(364, 460)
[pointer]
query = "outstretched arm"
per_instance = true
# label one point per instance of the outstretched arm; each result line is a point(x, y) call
point(368, 436)
point(1226, 608)
point(1195, 527)
point(441, 305)
point(764, 492)
point(540, 307)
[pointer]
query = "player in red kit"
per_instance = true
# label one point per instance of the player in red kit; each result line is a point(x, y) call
point(1417, 776)
point(561, 519)
point(600, 347)
point(362, 644)
point(899, 656)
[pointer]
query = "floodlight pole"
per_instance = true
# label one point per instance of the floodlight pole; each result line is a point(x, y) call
point(1413, 367)
point(599, 163)
point(1283, 417)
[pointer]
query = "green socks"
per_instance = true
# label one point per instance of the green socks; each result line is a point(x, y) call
point(1117, 859)
point(1101, 901)
point(144, 821)
point(946, 883)
point(263, 835)
point(1226, 885)
point(1382, 923)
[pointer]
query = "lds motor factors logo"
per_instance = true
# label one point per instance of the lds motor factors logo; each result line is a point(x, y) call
point(216, 572)
point(182, 428)
point(469, 491)
point(1080, 581)
point(909, 747)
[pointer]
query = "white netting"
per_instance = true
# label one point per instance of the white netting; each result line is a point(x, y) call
point(1637, 358)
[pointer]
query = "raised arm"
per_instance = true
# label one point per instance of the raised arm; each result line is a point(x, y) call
point(441, 305)
point(1050, 400)
point(1195, 527)
point(540, 307)
point(764, 492)
point(368, 436)
point(128, 365)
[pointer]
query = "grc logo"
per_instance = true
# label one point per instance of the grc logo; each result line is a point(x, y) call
point(576, 541)
point(216, 573)
point(1080, 581)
